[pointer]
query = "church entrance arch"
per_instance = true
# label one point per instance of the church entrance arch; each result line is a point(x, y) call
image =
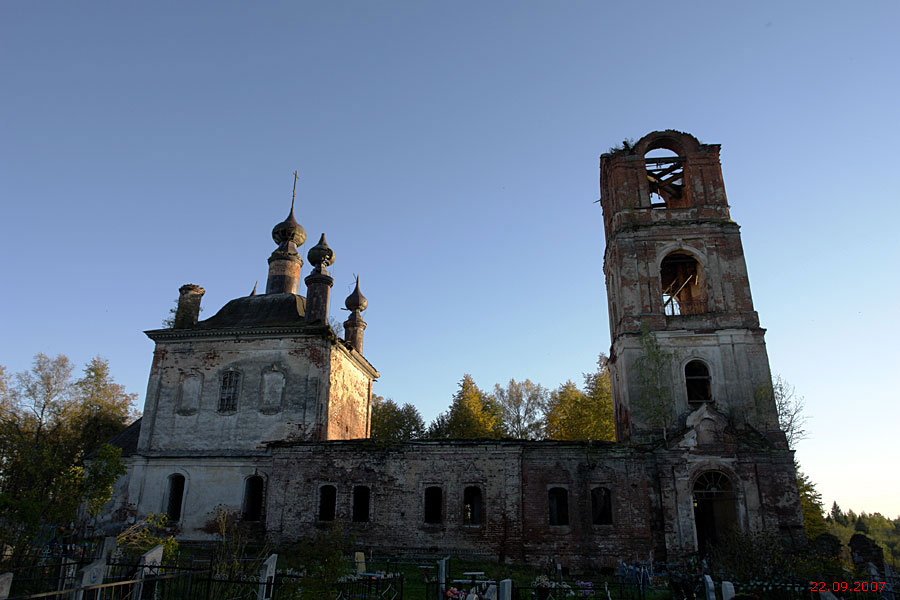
point(714, 508)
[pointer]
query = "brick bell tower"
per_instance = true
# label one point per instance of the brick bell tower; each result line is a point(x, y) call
point(685, 337)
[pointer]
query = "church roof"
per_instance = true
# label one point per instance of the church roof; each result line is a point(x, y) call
point(127, 439)
point(265, 310)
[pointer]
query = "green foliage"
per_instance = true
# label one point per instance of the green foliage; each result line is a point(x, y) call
point(472, 414)
point(145, 535)
point(653, 368)
point(884, 531)
point(49, 424)
point(323, 563)
point(521, 404)
point(810, 505)
point(233, 543)
point(395, 423)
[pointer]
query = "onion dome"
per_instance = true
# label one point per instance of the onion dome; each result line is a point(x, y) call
point(356, 301)
point(321, 254)
point(289, 230)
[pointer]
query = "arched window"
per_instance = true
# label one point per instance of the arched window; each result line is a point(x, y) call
point(682, 283)
point(175, 497)
point(361, 504)
point(558, 501)
point(698, 382)
point(254, 487)
point(601, 506)
point(228, 393)
point(433, 505)
point(327, 501)
point(714, 511)
point(472, 506)
point(665, 176)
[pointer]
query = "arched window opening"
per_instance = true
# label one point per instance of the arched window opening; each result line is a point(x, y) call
point(601, 506)
point(698, 382)
point(228, 393)
point(175, 497)
point(472, 506)
point(665, 174)
point(682, 285)
point(433, 505)
point(327, 501)
point(714, 510)
point(558, 500)
point(253, 498)
point(361, 504)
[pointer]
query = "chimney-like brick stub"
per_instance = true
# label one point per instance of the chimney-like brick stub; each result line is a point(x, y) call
point(188, 311)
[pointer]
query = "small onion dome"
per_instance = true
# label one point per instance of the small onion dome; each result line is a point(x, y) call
point(289, 230)
point(356, 301)
point(321, 254)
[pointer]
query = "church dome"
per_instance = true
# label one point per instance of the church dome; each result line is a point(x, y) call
point(356, 301)
point(289, 230)
point(321, 253)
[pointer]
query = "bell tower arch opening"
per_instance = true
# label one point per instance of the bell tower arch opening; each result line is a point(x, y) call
point(682, 281)
point(665, 177)
point(714, 508)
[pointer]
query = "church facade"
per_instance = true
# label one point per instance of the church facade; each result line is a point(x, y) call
point(263, 410)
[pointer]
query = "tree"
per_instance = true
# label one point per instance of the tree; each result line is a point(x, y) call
point(101, 407)
point(598, 388)
point(810, 505)
point(521, 404)
point(43, 476)
point(392, 422)
point(653, 372)
point(574, 414)
point(789, 407)
point(472, 414)
point(837, 515)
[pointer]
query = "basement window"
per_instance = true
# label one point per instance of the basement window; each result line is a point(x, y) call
point(601, 506)
point(472, 506)
point(682, 285)
point(433, 505)
point(698, 382)
point(558, 501)
point(253, 498)
point(228, 393)
point(361, 504)
point(175, 497)
point(327, 500)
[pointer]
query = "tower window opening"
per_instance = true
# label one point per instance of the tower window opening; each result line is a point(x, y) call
point(176, 496)
point(361, 504)
point(253, 498)
point(433, 505)
point(698, 382)
point(228, 394)
point(327, 501)
point(601, 506)
point(682, 285)
point(558, 503)
point(665, 175)
point(472, 506)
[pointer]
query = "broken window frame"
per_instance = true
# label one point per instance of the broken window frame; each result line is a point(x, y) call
point(665, 178)
point(473, 506)
point(558, 506)
point(685, 295)
point(327, 503)
point(695, 382)
point(229, 391)
point(433, 507)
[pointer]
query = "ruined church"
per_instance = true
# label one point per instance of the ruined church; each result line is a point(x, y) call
point(261, 409)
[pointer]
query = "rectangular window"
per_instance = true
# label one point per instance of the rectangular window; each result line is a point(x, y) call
point(558, 499)
point(472, 506)
point(327, 500)
point(360, 504)
point(433, 505)
point(228, 395)
point(601, 506)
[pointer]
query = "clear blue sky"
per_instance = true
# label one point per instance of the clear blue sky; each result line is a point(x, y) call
point(450, 151)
